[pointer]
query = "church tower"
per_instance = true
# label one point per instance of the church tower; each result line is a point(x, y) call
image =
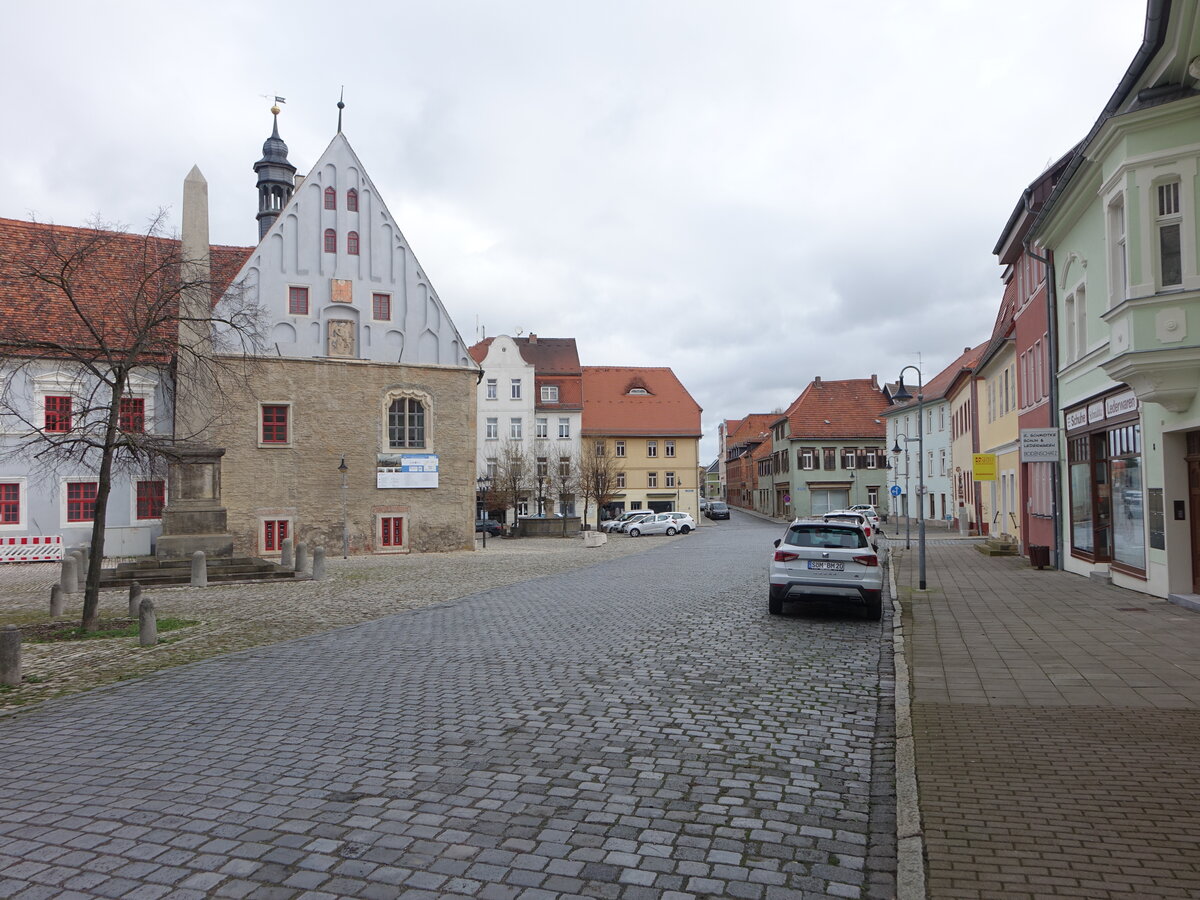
point(276, 178)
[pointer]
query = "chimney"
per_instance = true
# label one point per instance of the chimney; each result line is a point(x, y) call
point(532, 338)
point(817, 379)
point(875, 381)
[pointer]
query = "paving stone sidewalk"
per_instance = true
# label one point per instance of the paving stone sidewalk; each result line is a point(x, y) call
point(1057, 725)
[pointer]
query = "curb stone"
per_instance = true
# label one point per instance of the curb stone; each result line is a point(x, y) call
point(910, 842)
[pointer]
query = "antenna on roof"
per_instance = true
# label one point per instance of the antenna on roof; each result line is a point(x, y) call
point(341, 106)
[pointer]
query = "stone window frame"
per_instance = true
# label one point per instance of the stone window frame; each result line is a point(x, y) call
point(378, 514)
point(262, 518)
point(409, 393)
point(63, 504)
point(294, 295)
point(564, 428)
point(541, 428)
point(381, 302)
point(22, 503)
point(133, 496)
point(491, 428)
point(492, 389)
point(291, 426)
point(620, 481)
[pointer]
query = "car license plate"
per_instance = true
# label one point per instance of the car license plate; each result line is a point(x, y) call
point(827, 565)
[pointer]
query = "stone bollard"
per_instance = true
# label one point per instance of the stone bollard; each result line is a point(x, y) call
point(318, 564)
point(80, 571)
point(135, 599)
point(301, 557)
point(10, 656)
point(199, 569)
point(147, 623)
point(85, 558)
point(69, 578)
point(285, 554)
point(56, 600)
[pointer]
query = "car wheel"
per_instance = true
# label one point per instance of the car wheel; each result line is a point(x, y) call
point(633, 532)
point(874, 606)
point(775, 605)
point(670, 531)
point(685, 529)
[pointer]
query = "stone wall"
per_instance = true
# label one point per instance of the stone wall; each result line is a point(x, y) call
point(338, 408)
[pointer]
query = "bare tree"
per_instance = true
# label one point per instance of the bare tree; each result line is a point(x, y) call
point(598, 473)
point(511, 482)
point(566, 479)
point(105, 311)
point(541, 478)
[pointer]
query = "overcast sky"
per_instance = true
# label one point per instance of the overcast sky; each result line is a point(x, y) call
point(751, 193)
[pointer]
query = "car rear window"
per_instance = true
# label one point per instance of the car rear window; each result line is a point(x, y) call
point(825, 536)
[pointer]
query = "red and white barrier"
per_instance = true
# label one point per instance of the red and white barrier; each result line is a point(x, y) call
point(31, 549)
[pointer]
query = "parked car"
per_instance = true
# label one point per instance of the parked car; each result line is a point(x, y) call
point(823, 558)
point(623, 527)
point(622, 519)
point(853, 515)
point(491, 526)
point(683, 521)
point(717, 510)
point(870, 512)
point(659, 523)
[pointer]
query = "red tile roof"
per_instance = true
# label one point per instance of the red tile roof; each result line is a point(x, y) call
point(111, 276)
point(570, 392)
point(548, 356)
point(609, 408)
point(754, 427)
point(832, 410)
point(941, 384)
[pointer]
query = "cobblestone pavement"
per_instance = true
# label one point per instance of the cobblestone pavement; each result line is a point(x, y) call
point(637, 729)
point(235, 617)
point(1056, 721)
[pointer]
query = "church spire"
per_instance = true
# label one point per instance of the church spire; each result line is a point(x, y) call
point(276, 176)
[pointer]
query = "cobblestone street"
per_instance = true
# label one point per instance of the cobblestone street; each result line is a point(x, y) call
point(640, 728)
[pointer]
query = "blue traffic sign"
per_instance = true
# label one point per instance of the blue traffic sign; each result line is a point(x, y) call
point(895, 490)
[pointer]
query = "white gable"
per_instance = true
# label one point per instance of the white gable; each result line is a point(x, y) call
point(374, 304)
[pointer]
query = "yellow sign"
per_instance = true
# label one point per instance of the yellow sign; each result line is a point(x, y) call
point(984, 466)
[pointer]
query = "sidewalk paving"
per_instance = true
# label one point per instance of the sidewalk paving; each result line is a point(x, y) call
point(1056, 723)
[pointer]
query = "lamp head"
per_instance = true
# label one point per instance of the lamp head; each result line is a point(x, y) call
point(896, 448)
point(902, 393)
point(343, 468)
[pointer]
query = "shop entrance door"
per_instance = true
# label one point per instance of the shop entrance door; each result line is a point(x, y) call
point(1193, 466)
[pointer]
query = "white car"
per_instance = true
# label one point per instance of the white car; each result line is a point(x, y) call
point(869, 511)
point(857, 517)
point(683, 520)
point(662, 523)
point(819, 558)
point(640, 515)
point(622, 519)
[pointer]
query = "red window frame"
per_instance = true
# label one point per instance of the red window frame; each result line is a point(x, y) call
point(352, 200)
point(330, 241)
point(10, 503)
point(330, 198)
point(297, 301)
point(151, 498)
point(381, 307)
point(274, 425)
point(275, 532)
point(352, 243)
point(132, 415)
point(58, 414)
point(81, 501)
point(392, 531)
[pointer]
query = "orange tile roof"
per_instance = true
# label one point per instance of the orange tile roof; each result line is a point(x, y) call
point(548, 356)
point(609, 408)
point(753, 427)
point(113, 275)
point(832, 410)
point(570, 392)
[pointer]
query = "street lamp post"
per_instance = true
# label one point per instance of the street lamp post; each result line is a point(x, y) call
point(345, 470)
point(903, 396)
point(483, 483)
point(907, 497)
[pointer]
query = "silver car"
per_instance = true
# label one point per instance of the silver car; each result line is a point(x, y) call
point(662, 523)
point(817, 558)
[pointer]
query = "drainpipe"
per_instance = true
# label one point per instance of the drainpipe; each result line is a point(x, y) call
point(1052, 356)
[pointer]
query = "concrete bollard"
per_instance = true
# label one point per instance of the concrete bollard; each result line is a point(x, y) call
point(285, 554)
point(301, 557)
point(80, 571)
point(135, 599)
point(85, 558)
point(56, 600)
point(199, 569)
point(318, 564)
point(147, 623)
point(10, 656)
point(68, 580)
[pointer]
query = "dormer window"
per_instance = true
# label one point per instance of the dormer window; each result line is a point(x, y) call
point(549, 393)
point(638, 392)
point(330, 198)
point(352, 200)
point(352, 243)
point(330, 241)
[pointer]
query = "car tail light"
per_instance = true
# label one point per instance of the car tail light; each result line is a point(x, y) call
point(867, 529)
point(869, 559)
point(785, 556)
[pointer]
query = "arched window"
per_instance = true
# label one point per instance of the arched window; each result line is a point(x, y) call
point(330, 241)
point(352, 200)
point(352, 243)
point(406, 423)
point(330, 198)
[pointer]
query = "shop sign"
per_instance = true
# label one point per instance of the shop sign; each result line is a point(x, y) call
point(984, 466)
point(415, 470)
point(1120, 404)
point(1076, 418)
point(1039, 445)
point(1096, 411)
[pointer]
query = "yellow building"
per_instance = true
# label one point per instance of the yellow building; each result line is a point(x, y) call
point(998, 425)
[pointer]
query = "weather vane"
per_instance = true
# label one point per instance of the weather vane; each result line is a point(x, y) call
point(275, 108)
